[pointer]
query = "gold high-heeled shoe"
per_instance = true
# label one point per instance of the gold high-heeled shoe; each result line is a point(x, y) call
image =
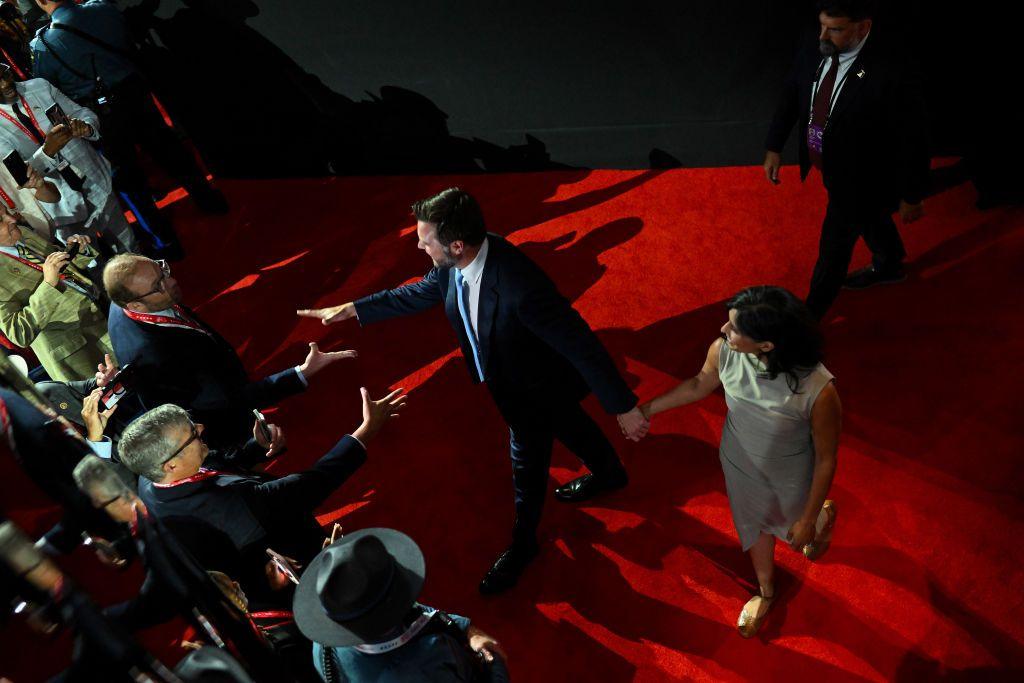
point(823, 538)
point(753, 613)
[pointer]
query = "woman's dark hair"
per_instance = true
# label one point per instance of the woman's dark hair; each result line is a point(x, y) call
point(766, 313)
point(456, 215)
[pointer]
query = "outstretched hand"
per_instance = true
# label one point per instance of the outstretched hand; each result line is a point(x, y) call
point(329, 315)
point(317, 360)
point(377, 413)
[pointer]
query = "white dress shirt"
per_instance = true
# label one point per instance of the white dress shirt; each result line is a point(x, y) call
point(473, 274)
point(846, 60)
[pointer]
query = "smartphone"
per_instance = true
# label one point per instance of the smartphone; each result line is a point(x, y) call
point(72, 250)
point(119, 385)
point(283, 563)
point(57, 115)
point(263, 426)
point(16, 167)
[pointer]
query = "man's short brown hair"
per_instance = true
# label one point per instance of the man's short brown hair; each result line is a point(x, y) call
point(116, 275)
point(456, 215)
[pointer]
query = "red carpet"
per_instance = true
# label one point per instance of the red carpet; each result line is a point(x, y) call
point(924, 577)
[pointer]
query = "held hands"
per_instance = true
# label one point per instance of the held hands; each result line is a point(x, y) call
point(94, 418)
point(277, 442)
point(911, 212)
point(772, 164)
point(801, 533)
point(484, 644)
point(329, 315)
point(633, 424)
point(377, 413)
point(105, 371)
point(83, 242)
point(317, 360)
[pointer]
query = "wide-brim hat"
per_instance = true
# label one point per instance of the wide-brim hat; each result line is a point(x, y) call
point(359, 587)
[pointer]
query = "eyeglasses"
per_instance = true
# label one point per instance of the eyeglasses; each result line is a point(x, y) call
point(195, 435)
point(165, 272)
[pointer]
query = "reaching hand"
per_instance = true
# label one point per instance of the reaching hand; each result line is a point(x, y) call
point(484, 644)
point(317, 360)
point(377, 413)
point(633, 424)
point(105, 371)
point(94, 418)
point(772, 164)
point(329, 315)
point(277, 442)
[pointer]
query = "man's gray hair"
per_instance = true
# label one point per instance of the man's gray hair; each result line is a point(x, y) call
point(146, 443)
point(98, 480)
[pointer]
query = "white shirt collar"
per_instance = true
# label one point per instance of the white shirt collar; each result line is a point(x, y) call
point(849, 56)
point(13, 251)
point(475, 270)
point(168, 312)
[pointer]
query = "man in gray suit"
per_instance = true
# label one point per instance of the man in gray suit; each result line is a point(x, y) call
point(62, 151)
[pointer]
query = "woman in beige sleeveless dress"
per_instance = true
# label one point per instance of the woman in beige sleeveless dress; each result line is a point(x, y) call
point(779, 442)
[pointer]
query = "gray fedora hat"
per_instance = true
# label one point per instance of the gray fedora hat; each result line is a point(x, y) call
point(359, 588)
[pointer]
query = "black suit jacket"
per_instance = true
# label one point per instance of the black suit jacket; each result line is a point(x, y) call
point(49, 456)
point(201, 373)
point(875, 145)
point(534, 346)
point(256, 511)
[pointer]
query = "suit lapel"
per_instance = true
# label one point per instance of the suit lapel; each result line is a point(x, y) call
point(488, 304)
point(855, 78)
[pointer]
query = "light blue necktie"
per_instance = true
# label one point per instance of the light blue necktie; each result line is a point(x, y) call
point(464, 311)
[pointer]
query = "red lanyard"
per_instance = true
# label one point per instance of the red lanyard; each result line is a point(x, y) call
point(7, 198)
point(28, 110)
point(166, 320)
point(13, 64)
point(201, 475)
point(63, 276)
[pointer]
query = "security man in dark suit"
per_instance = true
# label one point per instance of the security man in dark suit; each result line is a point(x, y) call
point(861, 119)
point(536, 354)
point(177, 358)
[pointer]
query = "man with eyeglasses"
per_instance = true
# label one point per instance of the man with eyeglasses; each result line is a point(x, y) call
point(181, 478)
point(177, 358)
point(49, 302)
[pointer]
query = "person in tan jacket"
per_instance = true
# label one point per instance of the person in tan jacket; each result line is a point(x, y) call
point(50, 304)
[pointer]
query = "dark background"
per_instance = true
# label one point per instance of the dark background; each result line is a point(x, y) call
point(280, 87)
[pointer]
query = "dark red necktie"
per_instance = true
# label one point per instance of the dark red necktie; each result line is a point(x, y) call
point(822, 105)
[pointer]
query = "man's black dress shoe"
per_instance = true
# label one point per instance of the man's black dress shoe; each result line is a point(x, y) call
point(869, 277)
point(588, 486)
point(505, 571)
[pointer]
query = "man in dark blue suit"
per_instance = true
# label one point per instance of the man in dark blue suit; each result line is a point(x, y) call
point(536, 354)
point(177, 358)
